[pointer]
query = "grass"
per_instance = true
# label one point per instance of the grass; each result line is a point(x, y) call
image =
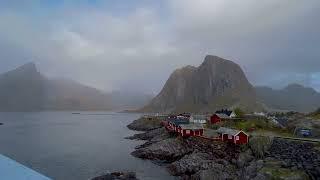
point(259, 126)
point(283, 173)
point(316, 116)
point(260, 145)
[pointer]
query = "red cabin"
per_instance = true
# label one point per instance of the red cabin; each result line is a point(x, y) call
point(186, 130)
point(214, 119)
point(233, 135)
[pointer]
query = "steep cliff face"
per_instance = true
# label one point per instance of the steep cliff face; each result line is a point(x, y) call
point(216, 83)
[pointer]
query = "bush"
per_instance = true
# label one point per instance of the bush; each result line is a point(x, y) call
point(239, 112)
point(260, 145)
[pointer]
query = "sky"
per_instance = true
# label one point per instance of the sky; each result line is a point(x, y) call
point(134, 45)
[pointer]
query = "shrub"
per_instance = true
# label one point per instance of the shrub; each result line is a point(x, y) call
point(239, 112)
point(260, 145)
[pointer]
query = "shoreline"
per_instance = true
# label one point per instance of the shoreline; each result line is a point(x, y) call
point(195, 158)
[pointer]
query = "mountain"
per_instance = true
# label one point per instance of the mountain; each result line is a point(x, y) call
point(22, 89)
point(216, 83)
point(64, 94)
point(26, 89)
point(294, 97)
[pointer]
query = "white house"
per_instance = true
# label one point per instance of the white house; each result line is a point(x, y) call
point(233, 114)
point(199, 119)
point(259, 114)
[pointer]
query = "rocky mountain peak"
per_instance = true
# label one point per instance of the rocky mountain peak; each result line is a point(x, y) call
point(214, 84)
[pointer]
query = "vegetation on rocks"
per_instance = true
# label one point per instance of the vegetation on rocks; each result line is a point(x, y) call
point(145, 124)
point(315, 114)
point(260, 145)
point(239, 112)
point(278, 173)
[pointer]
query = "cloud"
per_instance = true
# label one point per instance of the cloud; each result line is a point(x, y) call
point(137, 45)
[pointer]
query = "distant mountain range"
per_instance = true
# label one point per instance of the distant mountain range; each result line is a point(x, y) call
point(26, 89)
point(294, 97)
point(216, 83)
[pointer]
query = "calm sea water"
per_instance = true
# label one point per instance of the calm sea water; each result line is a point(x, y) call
point(67, 146)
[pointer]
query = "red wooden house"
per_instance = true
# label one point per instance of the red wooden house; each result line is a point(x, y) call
point(187, 130)
point(172, 124)
point(233, 135)
point(216, 118)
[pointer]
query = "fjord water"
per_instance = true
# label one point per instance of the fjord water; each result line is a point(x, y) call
point(66, 146)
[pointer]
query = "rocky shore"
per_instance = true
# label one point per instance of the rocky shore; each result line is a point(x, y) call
point(117, 176)
point(196, 158)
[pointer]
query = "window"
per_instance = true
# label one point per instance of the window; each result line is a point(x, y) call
point(229, 137)
point(237, 138)
point(187, 131)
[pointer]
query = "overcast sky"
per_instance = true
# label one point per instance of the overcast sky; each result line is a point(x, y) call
point(135, 44)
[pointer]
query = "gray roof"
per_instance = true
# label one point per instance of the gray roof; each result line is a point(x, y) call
point(191, 126)
point(223, 116)
point(229, 131)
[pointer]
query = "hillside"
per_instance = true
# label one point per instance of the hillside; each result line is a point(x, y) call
point(294, 97)
point(216, 83)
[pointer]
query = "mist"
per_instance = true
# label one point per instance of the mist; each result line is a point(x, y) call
point(135, 45)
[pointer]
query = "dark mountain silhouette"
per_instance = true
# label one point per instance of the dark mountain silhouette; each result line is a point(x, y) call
point(294, 97)
point(216, 83)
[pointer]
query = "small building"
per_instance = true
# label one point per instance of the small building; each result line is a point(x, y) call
point(230, 114)
point(187, 115)
point(173, 123)
point(187, 130)
point(198, 119)
point(233, 135)
point(213, 119)
point(262, 114)
point(216, 118)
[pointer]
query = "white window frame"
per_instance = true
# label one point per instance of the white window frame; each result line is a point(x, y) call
point(237, 138)
point(229, 136)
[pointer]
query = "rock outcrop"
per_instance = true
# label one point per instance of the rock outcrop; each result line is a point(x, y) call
point(216, 83)
point(297, 155)
point(144, 124)
point(117, 176)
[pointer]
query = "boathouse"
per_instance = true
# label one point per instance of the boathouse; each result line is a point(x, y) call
point(187, 130)
point(233, 135)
